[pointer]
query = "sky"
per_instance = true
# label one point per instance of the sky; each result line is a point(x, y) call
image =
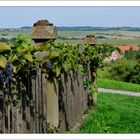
point(16, 17)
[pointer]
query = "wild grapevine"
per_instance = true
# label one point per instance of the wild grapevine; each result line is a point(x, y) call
point(21, 57)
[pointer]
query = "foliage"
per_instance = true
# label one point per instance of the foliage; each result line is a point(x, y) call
point(131, 54)
point(15, 63)
point(120, 70)
point(118, 85)
point(51, 129)
point(134, 76)
point(86, 83)
point(95, 55)
point(65, 57)
point(92, 90)
point(21, 60)
point(114, 114)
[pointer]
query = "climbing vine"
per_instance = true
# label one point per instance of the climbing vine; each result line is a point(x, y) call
point(21, 60)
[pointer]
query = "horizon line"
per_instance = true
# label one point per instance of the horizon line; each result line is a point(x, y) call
point(63, 26)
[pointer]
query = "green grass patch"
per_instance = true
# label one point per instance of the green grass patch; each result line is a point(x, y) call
point(113, 114)
point(118, 85)
point(118, 42)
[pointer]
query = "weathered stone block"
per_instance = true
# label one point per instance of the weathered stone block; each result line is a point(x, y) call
point(43, 31)
point(90, 39)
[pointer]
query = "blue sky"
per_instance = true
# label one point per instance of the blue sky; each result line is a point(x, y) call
point(71, 16)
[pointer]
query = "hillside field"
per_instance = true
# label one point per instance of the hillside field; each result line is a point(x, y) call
point(75, 36)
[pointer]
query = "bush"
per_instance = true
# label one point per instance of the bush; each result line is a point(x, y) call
point(121, 69)
point(134, 76)
point(131, 54)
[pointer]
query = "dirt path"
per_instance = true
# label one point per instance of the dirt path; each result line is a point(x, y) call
point(113, 91)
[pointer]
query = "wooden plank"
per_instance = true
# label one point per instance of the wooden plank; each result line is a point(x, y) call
point(11, 119)
point(28, 114)
point(1, 112)
point(18, 119)
point(69, 101)
point(14, 119)
point(8, 118)
point(44, 102)
point(74, 91)
point(33, 102)
point(62, 104)
point(78, 93)
point(39, 100)
point(37, 109)
point(64, 100)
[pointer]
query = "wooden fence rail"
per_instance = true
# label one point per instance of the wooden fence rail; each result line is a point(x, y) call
point(59, 103)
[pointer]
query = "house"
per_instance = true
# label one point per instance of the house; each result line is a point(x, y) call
point(116, 54)
point(123, 49)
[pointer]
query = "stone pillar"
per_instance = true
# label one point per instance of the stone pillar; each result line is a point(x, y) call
point(90, 40)
point(43, 31)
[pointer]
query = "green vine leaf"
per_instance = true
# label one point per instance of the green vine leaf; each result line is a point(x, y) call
point(4, 47)
point(86, 83)
point(3, 62)
point(54, 54)
point(28, 57)
point(93, 90)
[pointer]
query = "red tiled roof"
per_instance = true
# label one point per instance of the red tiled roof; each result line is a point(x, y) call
point(128, 47)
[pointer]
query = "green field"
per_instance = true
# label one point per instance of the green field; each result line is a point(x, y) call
point(135, 35)
point(117, 42)
point(118, 85)
point(113, 114)
point(74, 33)
point(130, 34)
point(113, 42)
point(109, 32)
point(15, 33)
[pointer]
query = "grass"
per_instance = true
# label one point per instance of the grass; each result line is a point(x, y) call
point(114, 42)
point(113, 114)
point(74, 33)
point(81, 34)
point(117, 42)
point(118, 85)
point(15, 33)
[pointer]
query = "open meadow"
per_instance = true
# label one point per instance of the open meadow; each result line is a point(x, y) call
point(113, 114)
point(75, 36)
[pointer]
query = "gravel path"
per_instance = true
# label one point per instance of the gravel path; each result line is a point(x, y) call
point(118, 92)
